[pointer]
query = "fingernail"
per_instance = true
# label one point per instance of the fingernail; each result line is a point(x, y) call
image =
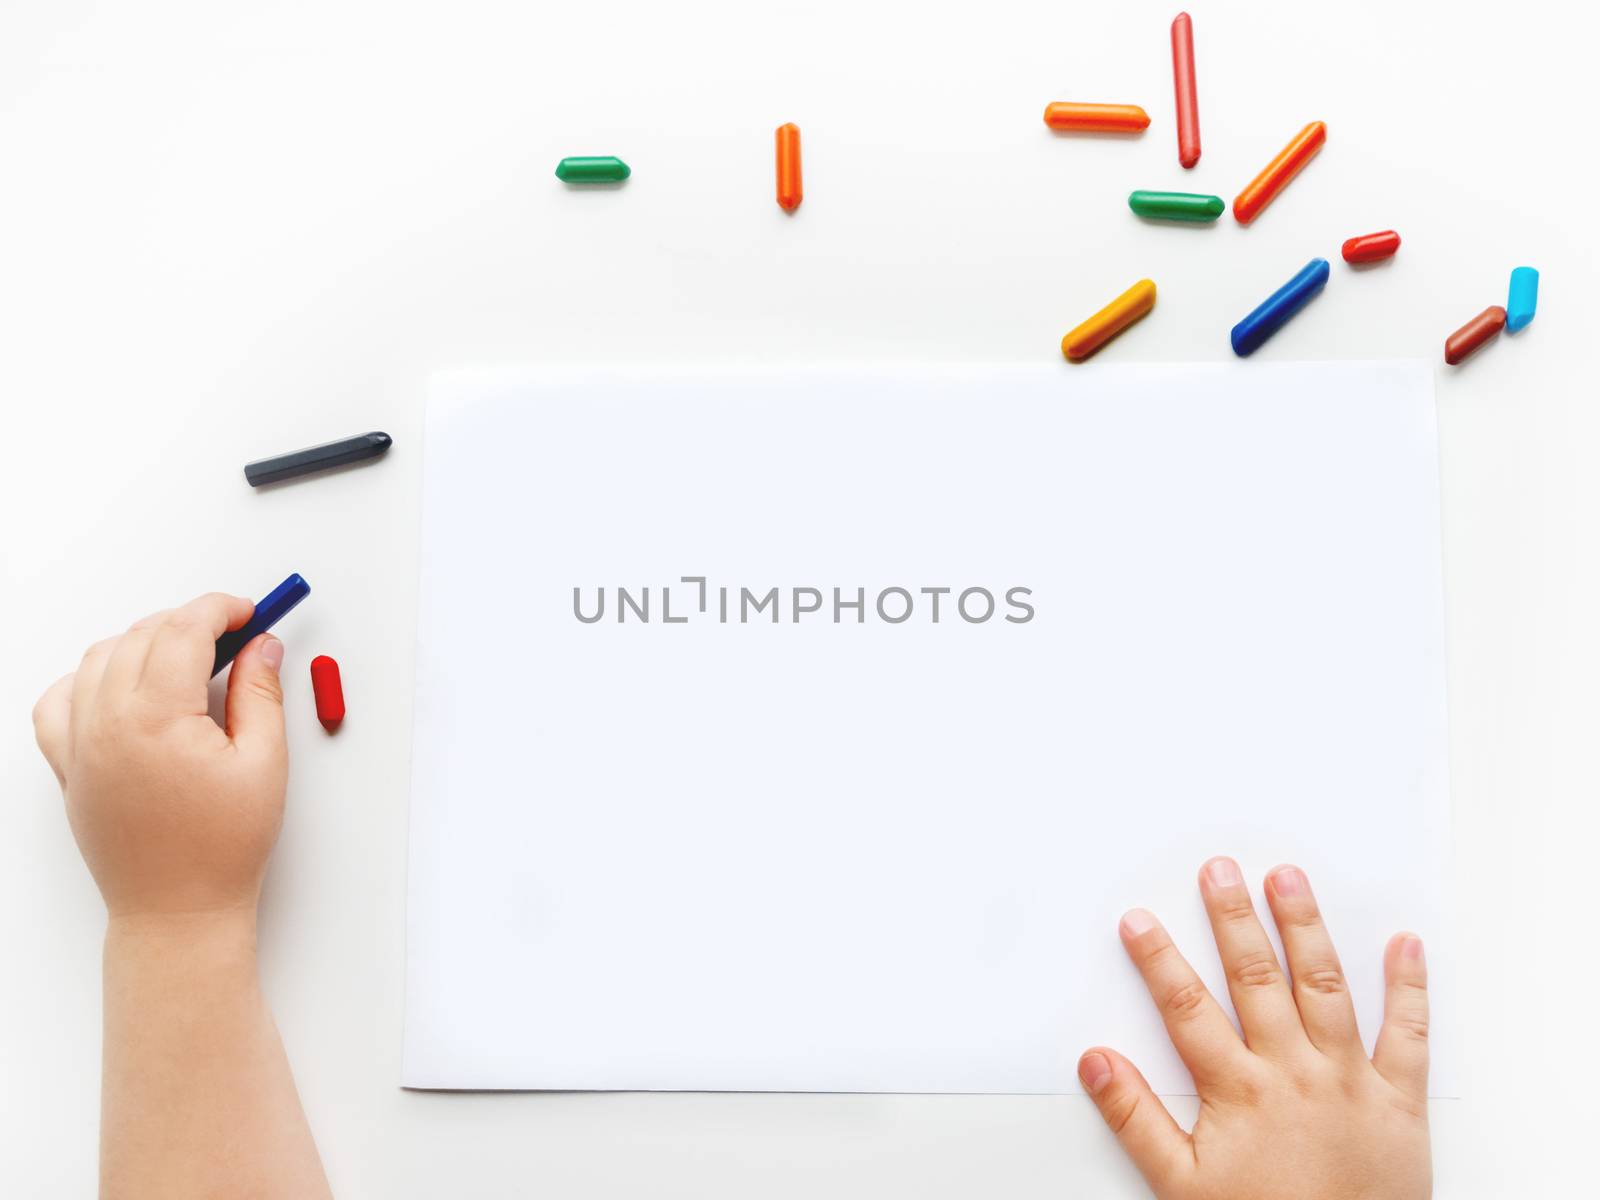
point(1290, 881)
point(1411, 948)
point(1095, 1071)
point(1224, 872)
point(272, 652)
point(1136, 921)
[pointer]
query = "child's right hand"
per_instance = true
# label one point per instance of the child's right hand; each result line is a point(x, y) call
point(1295, 1111)
point(174, 816)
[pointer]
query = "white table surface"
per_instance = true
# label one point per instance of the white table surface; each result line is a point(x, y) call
point(228, 230)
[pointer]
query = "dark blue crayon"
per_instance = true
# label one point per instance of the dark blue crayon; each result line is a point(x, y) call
point(1274, 312)
point(269, 611)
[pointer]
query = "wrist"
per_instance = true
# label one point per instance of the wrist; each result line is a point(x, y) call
point(174, 975)
point(227, 935)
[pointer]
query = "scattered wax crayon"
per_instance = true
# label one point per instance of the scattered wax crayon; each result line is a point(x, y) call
point(1370, 247)
point(1096, 118)
point(1177, 206)
point(1109, 321)
point(1273, 313)
point(605, 169)
point(1275, 176)
point(1474, 334)
point(317, 458)
point(789, 190)
point(270, 609)
point(1183, 87)
point(328, 689)
point(1523, 298)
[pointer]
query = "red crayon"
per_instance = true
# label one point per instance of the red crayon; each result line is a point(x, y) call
point(1183, 86)
point(329, 691)
point(1370, 247)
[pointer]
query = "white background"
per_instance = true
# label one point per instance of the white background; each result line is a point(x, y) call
point(228, 230)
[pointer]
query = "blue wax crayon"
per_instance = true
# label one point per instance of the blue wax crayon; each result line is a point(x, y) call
point(1275, 311)
point(1523, 299)
point(269, 611)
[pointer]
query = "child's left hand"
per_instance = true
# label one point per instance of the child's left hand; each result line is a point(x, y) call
point(1295, 1108)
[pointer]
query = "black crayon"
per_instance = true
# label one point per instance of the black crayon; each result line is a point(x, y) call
point(316, 458)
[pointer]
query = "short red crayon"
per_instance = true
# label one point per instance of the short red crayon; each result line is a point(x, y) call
point(329, 691)
point(1371, 247)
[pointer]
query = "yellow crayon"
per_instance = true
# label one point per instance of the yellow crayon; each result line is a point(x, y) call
point(1109, 321)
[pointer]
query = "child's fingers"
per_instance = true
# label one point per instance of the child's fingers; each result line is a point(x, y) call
point(1141, 1122)
point(126, 663)
point(179, 664)
point(1318, 980)
point(1256, 981)
point(50, 720)
point(86, 684)
point(255, 697)
point(1199, 1029)
point(1401, 1055)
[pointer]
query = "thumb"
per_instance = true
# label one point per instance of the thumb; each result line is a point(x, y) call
point(1141, 1122)
point(255, 696)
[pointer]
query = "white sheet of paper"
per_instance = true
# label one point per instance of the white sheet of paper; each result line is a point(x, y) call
point(860, 855)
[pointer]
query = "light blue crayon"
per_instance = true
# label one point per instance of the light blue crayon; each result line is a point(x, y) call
point(1523, 299)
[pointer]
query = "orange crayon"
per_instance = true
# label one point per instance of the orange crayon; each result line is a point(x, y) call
point(1096, 118)
point(789, 190)
point(1275, 176)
